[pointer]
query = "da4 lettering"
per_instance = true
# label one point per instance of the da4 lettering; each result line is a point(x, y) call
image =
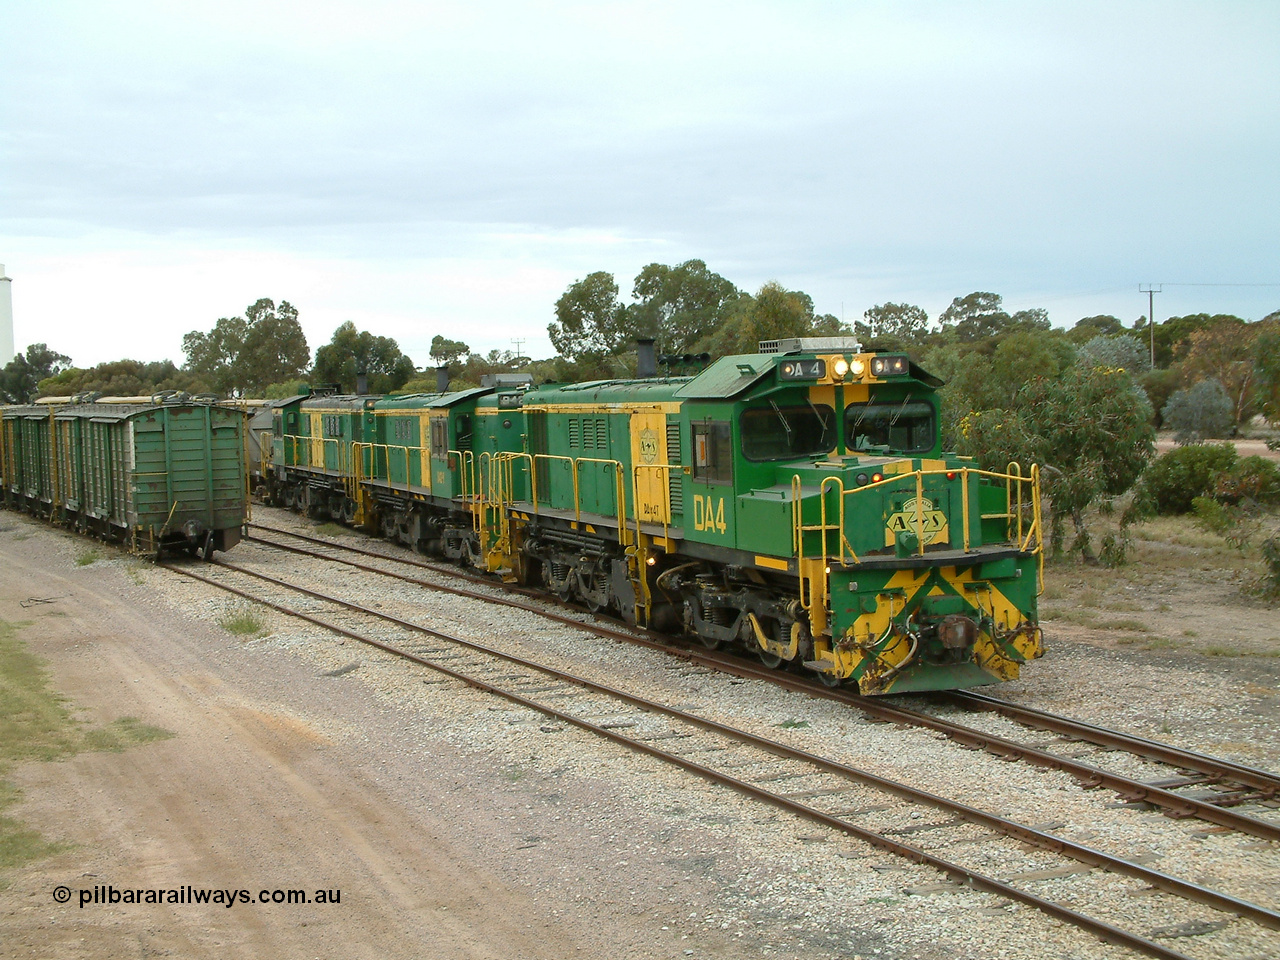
point(708, 513)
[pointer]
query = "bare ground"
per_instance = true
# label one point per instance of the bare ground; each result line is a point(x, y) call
point(248, 795)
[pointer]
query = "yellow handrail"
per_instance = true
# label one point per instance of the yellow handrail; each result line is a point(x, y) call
point(666, 481)
point(1027, 537)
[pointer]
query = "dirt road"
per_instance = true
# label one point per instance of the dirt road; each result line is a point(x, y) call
point(250, 794)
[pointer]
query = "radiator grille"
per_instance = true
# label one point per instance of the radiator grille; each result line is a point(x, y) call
point(675, 477)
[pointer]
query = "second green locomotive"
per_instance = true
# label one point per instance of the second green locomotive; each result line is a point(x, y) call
point(794, 501)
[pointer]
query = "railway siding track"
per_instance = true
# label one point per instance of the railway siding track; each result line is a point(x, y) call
point(1232, 784)
point(839, 796)
point(1190, 769)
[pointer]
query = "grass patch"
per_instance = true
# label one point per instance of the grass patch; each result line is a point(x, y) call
point(1224, 652)
point(1074, 615)
point(244, 622)
point(333, 530)
point(1122, 606)
point(36, 724)
point(123, 733)
point(1159, 643)
point(1054, 591)
point(1133, 626)
point(1238, 652)
point(792, 724)
point(134, 572)
point(20, 844)
point(1088, 598)
point(87, 557)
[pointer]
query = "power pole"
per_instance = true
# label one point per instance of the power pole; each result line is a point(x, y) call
point(519, 347)
point(1151, 289)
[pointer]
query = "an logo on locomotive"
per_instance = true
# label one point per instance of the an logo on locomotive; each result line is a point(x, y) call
point(648, 446)
point(933, 522)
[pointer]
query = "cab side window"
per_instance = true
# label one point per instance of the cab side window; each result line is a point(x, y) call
point(712, 452)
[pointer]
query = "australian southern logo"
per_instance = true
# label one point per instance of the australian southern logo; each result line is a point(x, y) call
point(934, 528)
point(648, 446)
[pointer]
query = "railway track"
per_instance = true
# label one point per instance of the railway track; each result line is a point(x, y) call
point(1193, 785)
point(972, 847)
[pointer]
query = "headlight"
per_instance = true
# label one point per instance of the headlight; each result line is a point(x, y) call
point(858, 368)
point(841, 368)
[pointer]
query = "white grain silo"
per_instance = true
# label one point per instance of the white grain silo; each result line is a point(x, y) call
point(6, 319)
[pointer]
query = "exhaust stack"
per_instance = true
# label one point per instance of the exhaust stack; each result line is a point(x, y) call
point(646, 363)
point(442, 379)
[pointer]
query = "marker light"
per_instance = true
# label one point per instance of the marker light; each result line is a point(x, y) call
point(877, 477)
point(651, 560)
point(841, 368)
point(887, 366)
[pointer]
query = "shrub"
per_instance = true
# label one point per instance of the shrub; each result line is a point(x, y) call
point(1251, 478)
point(1175, 479)
point(1126, 352)
point(1271, 561)
point(1234, 523)
point(1199, 413)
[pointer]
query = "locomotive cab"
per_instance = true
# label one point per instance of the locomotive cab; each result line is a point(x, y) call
point(862, 550)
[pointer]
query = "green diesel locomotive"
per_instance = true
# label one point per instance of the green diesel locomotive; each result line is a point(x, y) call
point(795, 502)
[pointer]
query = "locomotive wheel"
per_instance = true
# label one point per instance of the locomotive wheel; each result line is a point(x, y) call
point(829, 679)
point(770, 660)
point(709, 642)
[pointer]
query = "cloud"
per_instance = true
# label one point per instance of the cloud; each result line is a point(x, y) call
point(457, 150)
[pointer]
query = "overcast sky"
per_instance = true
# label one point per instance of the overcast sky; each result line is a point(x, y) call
point(449, 168)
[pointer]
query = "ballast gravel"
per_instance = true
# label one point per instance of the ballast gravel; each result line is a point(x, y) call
point(670, 865)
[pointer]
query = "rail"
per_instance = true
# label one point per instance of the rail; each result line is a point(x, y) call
point(850, 777)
